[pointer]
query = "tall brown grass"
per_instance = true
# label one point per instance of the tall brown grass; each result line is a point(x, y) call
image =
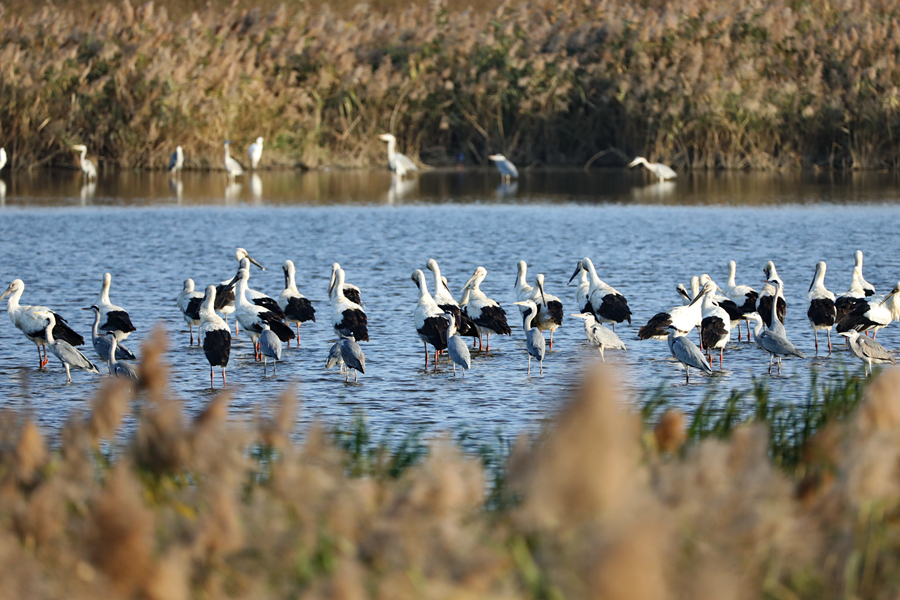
point(604, 508)
point(694, 83)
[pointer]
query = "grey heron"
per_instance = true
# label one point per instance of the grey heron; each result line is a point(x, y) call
point(215, 335)
point(507, 170)
point(400, 164)
point(821, 312)
point(32, 321)
point(101, 342)
point(446, 302)
point(550, 308)
point(683, 318)
point(87, 167)
point(431, 326)
point(67, 354)
point(744, 296)
point(334, 356)
point(534, 339)
point(598, 335)
point(868, 351)
point(250, 315)
point(347, 317)
point(686, 352)
point(176, 161)
point(715, 328)
point(295, 306)
point(487, 315)
point(767, 295)
point(353, 357)
point(774, 340)
point(607, 304)
point(114, 318)
point(116, 368)
point(868, 288)
point(351, 292)
point(232, 167)
point(871, 314)
point(2, 158)
point(269, 347)
point(456, 347)
point(255, 152)
point(661, 171)
point(188, 302)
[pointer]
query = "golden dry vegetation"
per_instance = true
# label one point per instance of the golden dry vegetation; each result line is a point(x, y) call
point(694, 83)
point(598, 506)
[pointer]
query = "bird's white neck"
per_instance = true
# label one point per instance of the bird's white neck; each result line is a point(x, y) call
point(528, 318)
point(818, 285)
point(592, 273)
point(227, 153)
point(104, 292)
point(339, 285)
point(95, 329)
point(424, 294)
point(113, 343)
point(731, 272)
point(759, 325)
point(290, 283)
point(893, 305)
point(391, 151)
point(521, 276)
point(48, 331)
point(12, 302)
point(439, 287)
point(242, 291)
point(859, 260)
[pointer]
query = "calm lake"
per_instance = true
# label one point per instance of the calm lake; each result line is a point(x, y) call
point(152, 232)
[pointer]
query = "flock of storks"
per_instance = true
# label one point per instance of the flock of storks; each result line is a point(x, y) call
point(442, 322)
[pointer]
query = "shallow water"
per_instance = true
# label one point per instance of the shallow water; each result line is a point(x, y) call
point(152, 233)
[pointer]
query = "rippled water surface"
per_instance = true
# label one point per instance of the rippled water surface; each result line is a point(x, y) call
point(151, 233)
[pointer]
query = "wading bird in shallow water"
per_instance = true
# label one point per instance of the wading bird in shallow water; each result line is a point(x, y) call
point(351, 292)
point(232, 167)
point(255, 152)
point(431, 326)
point(661, 171)
point(32, 321)
point(743, 296)
point(534, 339)
point(116, 368)
point(87, 167)
point(607, 304)
point(715, 328)
point(114, 319)
point(446, 302)
point(2, 158)
point(487, 315)
point(821, 312)
point(871, 314)
point(867, 287)
point(347, 317)
point(353, 357)
point(176, 162)
point(686, 352)
point(269, 347)
point(400, 164)
point(250, 315)
point(507, 170)
point(215, 335)
point(549, 307)
point(225, 290)
point(188, 302)
point(767, 297)
point(456, 347)
point(684, 318)
point(295, 306)
point(67, 354)
point(101, 342)
point(868, 351)
point(599, 336)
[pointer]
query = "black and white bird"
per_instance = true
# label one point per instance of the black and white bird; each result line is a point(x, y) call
point(607, 304)
point(269, 347)
point(821, 312)
point(258, 298)
point(735, 315)
point(400, 164)
point(67, 354)
point(176, 162)
point(295, 306)
point(431, 326)
point(351, 292)
point(523, 290)
point(550, 308)
point(485, 312)
point(599, 336)
point(347, 317)
point(715, 328)
point(767, 295)
point(686, 352)
point(456, 347)
point(744, 296)
point(113, 319)
point(868, 351)
point(215, 335)
point(353, 357)
point(101, 342)
point(868, 288)
point(116, 368)
point(32, 321)
point(188, 302)
point(871, 314)
point(846, 302)
point(225, 290)
point(250, 315)
point(683, 318)
point(534, 339)
point(583, 293)
point(445, 301)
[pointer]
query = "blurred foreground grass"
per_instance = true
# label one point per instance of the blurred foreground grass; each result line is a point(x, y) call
point(759, 497)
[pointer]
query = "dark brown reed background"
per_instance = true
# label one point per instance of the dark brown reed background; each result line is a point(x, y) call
point(694, 83)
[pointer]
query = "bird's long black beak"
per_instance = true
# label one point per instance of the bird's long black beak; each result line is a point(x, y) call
point(255, 263)
point(577, 271)
point(541, 288)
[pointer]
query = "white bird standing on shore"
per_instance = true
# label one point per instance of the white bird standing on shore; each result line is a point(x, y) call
point(87, 167)
point(821, 312)
point(232, 167)
point(255, 152)
point(661, 171)
point(400, 164)
point(508, 171)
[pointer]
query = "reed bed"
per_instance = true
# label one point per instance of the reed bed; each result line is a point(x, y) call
point(735, 84)
point(600, 505)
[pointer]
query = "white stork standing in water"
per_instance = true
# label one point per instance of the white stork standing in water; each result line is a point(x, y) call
point(607, 304)
point(250, 315)
point(351, 292)
point(431, 325)
point(32, 321)
point(583, 294)
point(821, 312)
point(486, 313)
point(188, 302)
point(744, 296)
point(549, 308)
point(295, 306)
point(523, 290)
point(868, 288)
point(113, 319)
point(846, 302)
point(445, 301)
point(715, 328)
point(347, 317)
point(684, 318)
point(225, 290)
point(215, 335)
point(735, 315)
point(766, 297)
point(400, 164)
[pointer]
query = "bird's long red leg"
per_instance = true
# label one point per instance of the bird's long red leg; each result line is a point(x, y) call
point(212, 381)
point(721, 358)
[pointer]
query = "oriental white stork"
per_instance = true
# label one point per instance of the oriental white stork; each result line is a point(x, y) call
point(431, 326)
point(250, 315)
point(113, 319)
point(607, 304)
point(744, 296)
point(215, 335)
point(549, 308)
point(764, 305)
point(347, 317)
point(445, 301)
point(486, 313)
point(351, 292)
point(188, 302)
point(295, 306)
point(821, 312)
point(684, 318)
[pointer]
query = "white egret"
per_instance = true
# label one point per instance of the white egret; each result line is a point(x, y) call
point(661, 171)
point(255, 152)
point(232, 167)
point(400, 164)
point(87, 167)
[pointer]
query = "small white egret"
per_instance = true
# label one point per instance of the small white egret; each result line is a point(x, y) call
point(2, 158)
point(661, 171)
point(255, 152)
